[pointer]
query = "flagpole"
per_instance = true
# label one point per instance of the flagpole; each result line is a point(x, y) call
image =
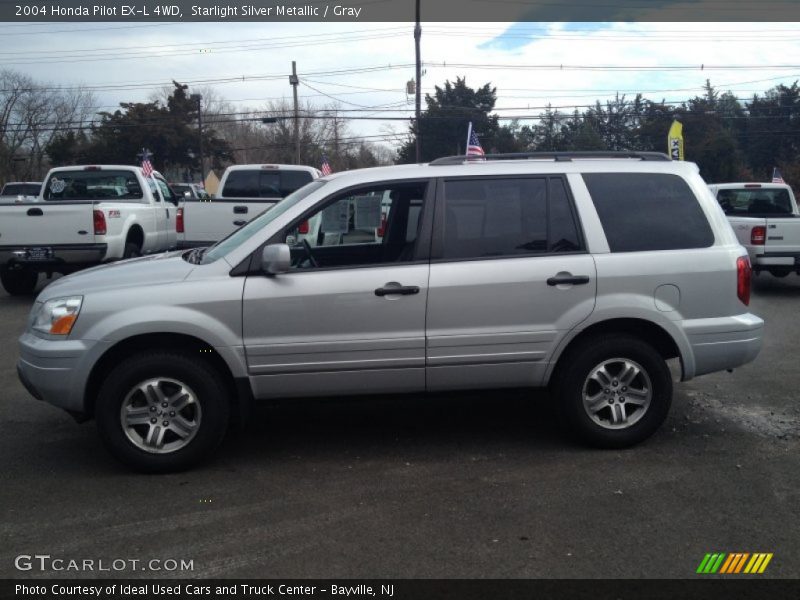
point(469, 135)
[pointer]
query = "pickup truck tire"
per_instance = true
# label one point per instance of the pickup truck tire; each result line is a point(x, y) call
point(131, 250)
point(160, 412)
point(19, 282)
point(613, 391)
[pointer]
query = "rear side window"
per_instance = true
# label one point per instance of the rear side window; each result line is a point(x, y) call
point(264, 183)
point(648, 211)
point(508, 217)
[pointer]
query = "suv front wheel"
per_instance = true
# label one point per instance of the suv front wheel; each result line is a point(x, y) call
point(613, 391)
point(162, 411)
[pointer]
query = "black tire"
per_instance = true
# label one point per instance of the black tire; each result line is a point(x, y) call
point(197, 376)
point(781, 273)
point(19, 282)
point(132, 250)
point(574, 373)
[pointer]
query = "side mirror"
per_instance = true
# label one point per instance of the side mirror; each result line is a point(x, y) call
point(187, 194)
point(275, 259)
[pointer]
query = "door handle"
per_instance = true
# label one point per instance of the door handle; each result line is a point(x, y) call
point(35, 212)
point(402, 290)
point(240, 210)
point(239, 223)
point(568, 279)
point(166, 209)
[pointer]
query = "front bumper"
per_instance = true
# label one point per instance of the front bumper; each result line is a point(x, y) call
point(57, 370)
point(724, 343)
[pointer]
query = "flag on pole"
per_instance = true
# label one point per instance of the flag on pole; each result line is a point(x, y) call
point(147, 166)
point(675, 141)
point(473, 143)
point(776, 176)
point(326, 166)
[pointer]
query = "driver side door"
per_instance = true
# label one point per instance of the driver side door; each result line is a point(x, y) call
point(349, 316)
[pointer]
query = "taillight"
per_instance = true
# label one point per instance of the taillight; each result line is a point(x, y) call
point(382, 229)
point(303, 228)
point(179, 221)
point(99, 222)
point(758, 235)
point(743, 273)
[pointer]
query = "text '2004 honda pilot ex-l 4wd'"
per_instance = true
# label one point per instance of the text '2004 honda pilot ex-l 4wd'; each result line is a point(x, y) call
point(582, 272)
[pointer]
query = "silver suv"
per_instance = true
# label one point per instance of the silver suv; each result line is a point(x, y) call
point(582, 272)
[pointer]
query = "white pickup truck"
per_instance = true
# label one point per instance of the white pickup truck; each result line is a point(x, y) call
point(245, 191)
point(765, 218)
point(86, 215)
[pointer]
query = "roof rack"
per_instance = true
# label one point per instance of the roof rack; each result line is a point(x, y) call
point(557, 156)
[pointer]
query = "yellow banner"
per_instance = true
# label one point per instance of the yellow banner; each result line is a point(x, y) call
point(675, 141)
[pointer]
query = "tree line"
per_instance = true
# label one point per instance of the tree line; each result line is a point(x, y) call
point(729, 139)
point(43, 126)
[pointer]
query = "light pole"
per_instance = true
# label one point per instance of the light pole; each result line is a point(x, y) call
point(197, 98)
point(418, 99)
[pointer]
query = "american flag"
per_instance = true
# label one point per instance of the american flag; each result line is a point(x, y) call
point(474, 145)
point(326, 166)
point(147, 166)
point(776, 176)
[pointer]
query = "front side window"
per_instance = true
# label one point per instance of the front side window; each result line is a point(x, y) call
point(166, 192)
point(648, 211)
point(485, 218)
point(367, 226)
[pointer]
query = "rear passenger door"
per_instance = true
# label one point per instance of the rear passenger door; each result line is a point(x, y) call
point(509, 276)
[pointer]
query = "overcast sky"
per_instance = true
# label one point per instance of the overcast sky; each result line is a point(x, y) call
point(143, 57)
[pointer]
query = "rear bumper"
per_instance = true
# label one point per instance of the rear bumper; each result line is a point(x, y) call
point(63, 256)
point(723, 343)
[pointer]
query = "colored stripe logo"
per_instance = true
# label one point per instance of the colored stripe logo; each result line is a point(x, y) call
point(734, 563)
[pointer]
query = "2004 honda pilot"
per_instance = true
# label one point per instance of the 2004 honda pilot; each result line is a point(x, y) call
point(584, 272)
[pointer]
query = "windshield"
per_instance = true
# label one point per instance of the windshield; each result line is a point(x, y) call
point(92, 185)
point(240, 236)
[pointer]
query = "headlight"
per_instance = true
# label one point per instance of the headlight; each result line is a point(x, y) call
point(57, 316)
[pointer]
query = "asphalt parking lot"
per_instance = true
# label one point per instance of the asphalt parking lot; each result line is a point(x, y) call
point(469, 485)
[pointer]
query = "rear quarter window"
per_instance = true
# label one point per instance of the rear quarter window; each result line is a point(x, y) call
point(648, 211)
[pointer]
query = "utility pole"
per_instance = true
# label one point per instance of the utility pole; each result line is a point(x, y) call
point(418, 99)
point(198, 98)
point(293, 80)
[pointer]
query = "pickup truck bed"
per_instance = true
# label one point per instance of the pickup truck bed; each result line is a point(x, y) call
point(205, 222)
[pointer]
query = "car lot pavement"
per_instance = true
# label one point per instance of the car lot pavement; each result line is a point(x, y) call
point(467, 485)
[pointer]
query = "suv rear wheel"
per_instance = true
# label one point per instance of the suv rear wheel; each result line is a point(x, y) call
point(613, 391)
point(161, 412)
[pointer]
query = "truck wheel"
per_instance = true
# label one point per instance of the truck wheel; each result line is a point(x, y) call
point(131, 251)
point(163, 411)
point(19, 282)
point(613, 391)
